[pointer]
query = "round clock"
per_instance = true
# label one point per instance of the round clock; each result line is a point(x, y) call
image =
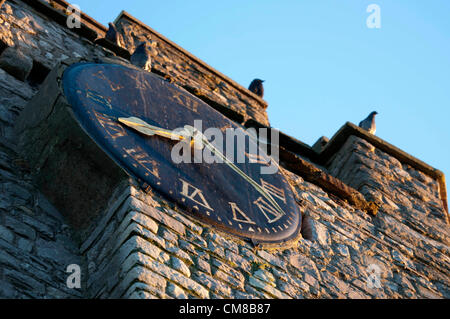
point(151, 129)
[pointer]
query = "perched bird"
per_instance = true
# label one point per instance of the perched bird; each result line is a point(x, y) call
point(112, 34)
point(369, 123)
point(257, 87)
point(142, 57)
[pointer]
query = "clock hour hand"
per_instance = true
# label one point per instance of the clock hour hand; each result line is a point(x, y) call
point(147, 129)
point(150, 130)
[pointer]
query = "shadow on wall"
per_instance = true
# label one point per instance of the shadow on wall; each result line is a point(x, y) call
point(18, 64)
point(38, 74)
point(3, 46)
point(306, 231)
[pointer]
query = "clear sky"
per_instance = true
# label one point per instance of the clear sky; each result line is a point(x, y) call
point(323, 66)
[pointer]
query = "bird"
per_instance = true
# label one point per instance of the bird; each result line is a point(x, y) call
point(369, 123)
point(142, 57)
point(257, 87)
point(112, 34)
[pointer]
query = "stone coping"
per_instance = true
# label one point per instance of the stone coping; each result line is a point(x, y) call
point(86, 19)
point(349, 129)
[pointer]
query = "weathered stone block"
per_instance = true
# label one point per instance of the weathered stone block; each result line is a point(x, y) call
point(272, 259)
point(179, 253)
point(139, 274)
point(25, 245)
point(267, 288)
point(28, 283)
point(5, 234)
point(265, 276)
point(319, 233)
point(55, 252)
point(213, 284)
point(16, 63)
point(236, 282)
point(19, 227)
point(176, 291)
point(179, 265)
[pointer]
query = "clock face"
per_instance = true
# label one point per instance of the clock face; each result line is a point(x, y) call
point(233, 196)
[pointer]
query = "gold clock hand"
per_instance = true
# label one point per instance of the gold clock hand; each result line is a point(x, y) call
point(147, 129)
point(150, 130)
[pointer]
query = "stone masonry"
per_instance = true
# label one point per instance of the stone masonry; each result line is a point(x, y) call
point(142, 246)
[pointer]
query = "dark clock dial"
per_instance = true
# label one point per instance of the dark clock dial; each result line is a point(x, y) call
point(126, 112)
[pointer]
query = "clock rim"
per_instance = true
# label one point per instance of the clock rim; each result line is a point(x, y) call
point(289, 240)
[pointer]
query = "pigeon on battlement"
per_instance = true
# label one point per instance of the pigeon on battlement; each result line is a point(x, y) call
point(369, 123)
point(142, 57)
point(112, 35)
point(257, 87)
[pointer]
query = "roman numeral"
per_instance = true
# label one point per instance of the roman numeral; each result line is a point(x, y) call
point(141, 157)
point(111, 127)
point(187, 102)
point(271, 214)
point(98, 98)
point(239, 215)
point(114, 87)
point(273, 190)
point(196, 195)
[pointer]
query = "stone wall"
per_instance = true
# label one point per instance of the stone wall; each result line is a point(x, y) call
point(36, 245)
point(144, 247)
point(35, 241)
point(412, 197)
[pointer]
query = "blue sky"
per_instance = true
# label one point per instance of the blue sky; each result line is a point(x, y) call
point(322, 65)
